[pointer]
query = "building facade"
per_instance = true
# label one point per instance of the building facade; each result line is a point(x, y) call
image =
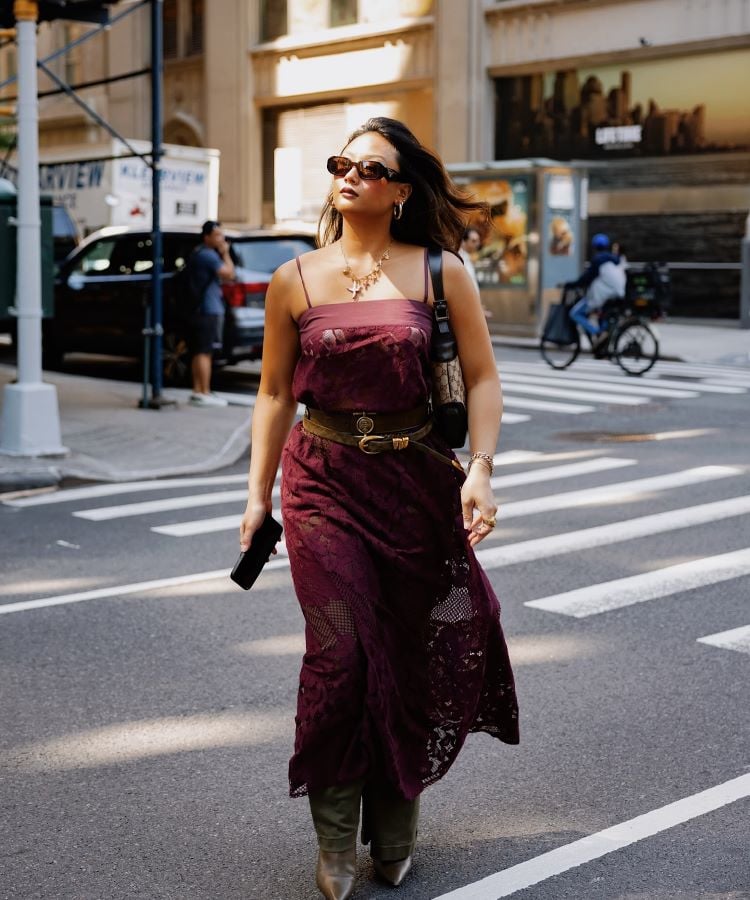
point(649, 94)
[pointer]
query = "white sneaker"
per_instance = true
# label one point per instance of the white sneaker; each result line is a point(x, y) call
point(207, 400)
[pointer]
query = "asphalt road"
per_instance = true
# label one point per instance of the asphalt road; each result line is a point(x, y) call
point(146, 730)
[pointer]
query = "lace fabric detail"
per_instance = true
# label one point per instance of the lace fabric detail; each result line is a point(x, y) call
point(405, 654)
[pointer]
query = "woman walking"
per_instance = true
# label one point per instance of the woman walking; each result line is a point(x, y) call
point(405, 654)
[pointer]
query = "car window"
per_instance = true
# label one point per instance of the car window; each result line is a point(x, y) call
point(267, 254)
point(97, 259)
point(134, 255)
point(177, 249)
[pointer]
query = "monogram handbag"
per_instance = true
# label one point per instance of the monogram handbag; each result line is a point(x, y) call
point(448, 390)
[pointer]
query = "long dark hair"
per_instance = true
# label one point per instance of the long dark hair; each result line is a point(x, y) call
point(435, 213)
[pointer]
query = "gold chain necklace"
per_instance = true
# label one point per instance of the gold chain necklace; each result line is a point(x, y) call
point(359, 285)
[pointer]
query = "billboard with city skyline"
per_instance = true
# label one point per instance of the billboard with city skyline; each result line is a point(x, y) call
point(653, 108)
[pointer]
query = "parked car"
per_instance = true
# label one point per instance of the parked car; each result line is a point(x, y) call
point(103, 289)
point(66, 235)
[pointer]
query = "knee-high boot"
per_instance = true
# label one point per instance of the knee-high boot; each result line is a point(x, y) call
point(335, 813)
point(390, 827)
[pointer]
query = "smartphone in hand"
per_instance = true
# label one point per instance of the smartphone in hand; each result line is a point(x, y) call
point(251, 561)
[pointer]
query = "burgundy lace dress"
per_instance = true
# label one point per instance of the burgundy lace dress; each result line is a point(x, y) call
point(405, 654)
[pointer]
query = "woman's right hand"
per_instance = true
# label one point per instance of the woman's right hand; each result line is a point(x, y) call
point(252, 519)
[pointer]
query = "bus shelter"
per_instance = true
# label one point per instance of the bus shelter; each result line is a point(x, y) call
point(535, 239)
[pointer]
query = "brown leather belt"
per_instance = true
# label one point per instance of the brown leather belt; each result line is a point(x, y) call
point(376, 433)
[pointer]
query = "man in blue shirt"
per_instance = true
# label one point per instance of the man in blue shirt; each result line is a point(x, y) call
point(208, 263)
point(604, 279)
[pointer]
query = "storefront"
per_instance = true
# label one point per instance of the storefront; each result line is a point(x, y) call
point(669, 145)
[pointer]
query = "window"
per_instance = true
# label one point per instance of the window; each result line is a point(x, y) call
point(195, 40)
point(273, 22)
point(343, 12)
point(171, 36)
point(97, 260)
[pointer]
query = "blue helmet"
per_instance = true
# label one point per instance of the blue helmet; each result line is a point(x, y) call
point(600, 241)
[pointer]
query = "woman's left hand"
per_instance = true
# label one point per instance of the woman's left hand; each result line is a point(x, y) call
point(478, 503)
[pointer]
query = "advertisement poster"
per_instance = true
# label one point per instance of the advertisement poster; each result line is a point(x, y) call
point(561, 237)
point(662, 107)
point(502, 258)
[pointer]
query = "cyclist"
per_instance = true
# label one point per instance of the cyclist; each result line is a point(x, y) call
point(604, 280)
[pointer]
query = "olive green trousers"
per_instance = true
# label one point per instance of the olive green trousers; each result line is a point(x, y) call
point(389, 823)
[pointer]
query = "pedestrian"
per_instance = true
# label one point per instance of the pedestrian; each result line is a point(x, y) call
point(207, 264)
point(405, 654)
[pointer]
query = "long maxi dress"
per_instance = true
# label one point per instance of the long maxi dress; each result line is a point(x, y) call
point(405, 654)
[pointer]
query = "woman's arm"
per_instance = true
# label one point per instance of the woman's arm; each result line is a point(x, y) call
point(484, 399)
point(275, 406)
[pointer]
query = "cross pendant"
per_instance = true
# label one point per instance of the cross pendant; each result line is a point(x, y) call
point(354, 290)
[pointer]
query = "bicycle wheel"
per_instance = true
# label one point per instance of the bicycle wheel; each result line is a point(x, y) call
point(634, 347)
point(557, 355)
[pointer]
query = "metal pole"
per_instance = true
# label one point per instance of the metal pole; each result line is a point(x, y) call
point(745, 279)
point(157, 65)
point(30, 417)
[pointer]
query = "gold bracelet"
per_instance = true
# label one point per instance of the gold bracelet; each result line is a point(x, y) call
point(483, 458)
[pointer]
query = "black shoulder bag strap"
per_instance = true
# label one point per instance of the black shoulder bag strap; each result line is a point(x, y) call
point(444, 347)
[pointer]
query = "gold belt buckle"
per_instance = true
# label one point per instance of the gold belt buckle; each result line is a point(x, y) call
point(365, 440)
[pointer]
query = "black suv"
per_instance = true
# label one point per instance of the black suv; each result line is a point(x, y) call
point(103, 289)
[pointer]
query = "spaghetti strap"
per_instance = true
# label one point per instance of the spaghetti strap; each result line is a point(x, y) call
point(304, 286)
point(426, 275)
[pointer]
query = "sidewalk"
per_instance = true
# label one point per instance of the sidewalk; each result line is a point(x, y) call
point(111, 439)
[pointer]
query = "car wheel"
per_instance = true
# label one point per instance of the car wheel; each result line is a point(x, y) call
point(175, 359)
point(52, 351)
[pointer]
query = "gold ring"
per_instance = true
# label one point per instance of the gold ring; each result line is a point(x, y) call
point(490, 521)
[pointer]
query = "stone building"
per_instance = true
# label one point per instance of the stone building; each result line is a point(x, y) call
point(649, 92)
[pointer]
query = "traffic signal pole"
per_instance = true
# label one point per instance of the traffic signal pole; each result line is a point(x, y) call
point(30, 422)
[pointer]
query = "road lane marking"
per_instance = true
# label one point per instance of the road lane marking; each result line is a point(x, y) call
point(614, 533)
point(600, 598)
point(510, 418)
point(624, 490)
point(167, 504)
point(569, 409)
point(735, 639)
point(612, 385)
point(597, 375)
point(569, 470)
point(130, 487)
point(511, 388)
point(191, 501)
point(570, 856)
point(125, 589)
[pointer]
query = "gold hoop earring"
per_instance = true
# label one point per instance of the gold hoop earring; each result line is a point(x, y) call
point(398, 210)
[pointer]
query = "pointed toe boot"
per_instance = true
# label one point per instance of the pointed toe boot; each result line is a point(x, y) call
point(393, 872)
point(335, 873)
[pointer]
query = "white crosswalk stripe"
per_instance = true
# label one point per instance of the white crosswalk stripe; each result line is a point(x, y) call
point(644, 384)
point(521, 386)
point(735, 639)
point(600, 598)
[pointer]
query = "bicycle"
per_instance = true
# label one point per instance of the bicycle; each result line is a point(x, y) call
point(627, 338)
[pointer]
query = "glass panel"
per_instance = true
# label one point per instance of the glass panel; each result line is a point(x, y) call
point(273, 22)
point(343, 12)
point(195, 44)
point(97, 260)
point(170, 29)
point(267, 254)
